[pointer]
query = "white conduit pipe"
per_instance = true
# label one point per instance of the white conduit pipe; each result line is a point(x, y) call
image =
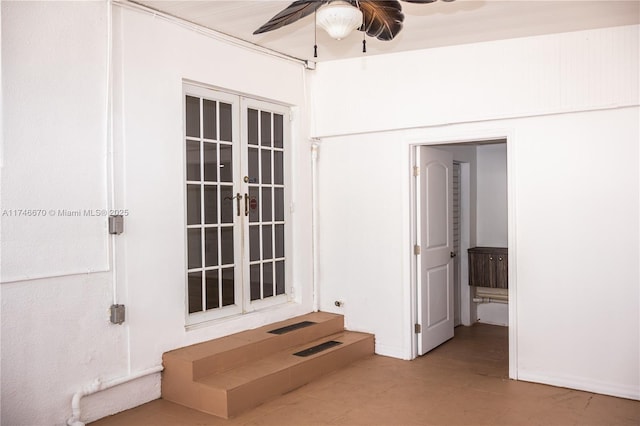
point(98, 386)
point(314, 223)
point(111, 180)
point(489, 300)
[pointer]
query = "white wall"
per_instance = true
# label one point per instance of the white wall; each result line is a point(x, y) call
point(361, 232)
point(51, 96)
point(56, 334)
point(577, 239)
point(491, 226)
point(483, 81)
point(573, 240)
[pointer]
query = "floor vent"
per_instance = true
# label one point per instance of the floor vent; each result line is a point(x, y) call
point(318, 348)
point(292, 327)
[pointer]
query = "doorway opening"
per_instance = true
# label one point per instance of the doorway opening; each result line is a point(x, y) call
point(476, 200)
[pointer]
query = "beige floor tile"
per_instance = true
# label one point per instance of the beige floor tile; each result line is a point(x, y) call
point(463, 382)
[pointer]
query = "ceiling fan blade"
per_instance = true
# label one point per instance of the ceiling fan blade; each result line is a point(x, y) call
point(296, 10)
point(382, 19)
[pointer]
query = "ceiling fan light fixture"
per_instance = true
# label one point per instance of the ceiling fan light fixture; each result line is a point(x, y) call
point(339, 18)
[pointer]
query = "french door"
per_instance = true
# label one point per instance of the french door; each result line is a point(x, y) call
point(236, 220)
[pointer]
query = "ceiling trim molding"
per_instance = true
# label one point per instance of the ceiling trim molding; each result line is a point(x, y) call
point(217, 35)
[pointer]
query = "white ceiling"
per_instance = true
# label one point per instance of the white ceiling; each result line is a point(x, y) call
point(425, 25)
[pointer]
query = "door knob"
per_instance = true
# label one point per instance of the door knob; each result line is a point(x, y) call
point(452, 254)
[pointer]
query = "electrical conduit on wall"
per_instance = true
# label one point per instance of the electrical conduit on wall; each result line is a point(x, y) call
point(314, 222)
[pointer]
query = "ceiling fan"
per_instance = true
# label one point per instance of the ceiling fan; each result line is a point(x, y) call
point(379, 19)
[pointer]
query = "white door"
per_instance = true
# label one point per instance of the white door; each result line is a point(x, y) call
point(435, 241)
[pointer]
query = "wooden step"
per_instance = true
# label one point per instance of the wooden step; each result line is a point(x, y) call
point(227, 376)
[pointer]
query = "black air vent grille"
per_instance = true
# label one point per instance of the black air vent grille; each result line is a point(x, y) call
point(292, 327)
point(318, 348)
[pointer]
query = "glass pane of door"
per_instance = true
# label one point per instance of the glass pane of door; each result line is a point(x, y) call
point(265, 180)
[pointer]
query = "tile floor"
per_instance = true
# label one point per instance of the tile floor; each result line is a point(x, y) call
point(463, 382)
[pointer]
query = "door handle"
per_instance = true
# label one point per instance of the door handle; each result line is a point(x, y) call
point(452, 254)
point(246, 204)
point(238, 197)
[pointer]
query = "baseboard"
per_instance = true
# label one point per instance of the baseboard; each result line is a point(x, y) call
point(391, 351)
point(580, 383)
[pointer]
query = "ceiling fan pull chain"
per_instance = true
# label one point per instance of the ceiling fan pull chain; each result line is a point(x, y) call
point(364, 31)
point(315, 33)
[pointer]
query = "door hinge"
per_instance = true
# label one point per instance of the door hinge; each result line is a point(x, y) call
point(416, 171)
point(417, 328)
point(416, 249)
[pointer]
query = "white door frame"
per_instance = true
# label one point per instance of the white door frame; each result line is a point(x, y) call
point(511, 225)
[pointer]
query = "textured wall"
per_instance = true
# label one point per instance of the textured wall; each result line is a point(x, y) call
point(55, 145)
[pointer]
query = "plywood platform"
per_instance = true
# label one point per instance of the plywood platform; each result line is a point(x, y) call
point(227, 376)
